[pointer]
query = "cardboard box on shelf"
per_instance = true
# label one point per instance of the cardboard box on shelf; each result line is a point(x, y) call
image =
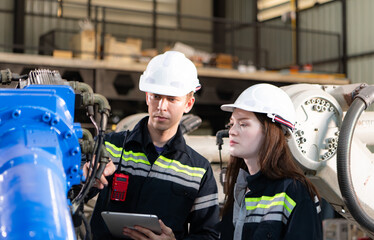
point(224, 61)
point(62, 54)
point(137, 42)
point(84, 44)
point(120, 51)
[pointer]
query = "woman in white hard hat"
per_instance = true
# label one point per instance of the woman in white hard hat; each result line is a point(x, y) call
point(267, 195)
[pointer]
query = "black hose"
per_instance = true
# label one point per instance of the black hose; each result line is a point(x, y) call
point(361, 102)
point(91, 178)
point(97, 153)
point(219, 141)
point(87, 227)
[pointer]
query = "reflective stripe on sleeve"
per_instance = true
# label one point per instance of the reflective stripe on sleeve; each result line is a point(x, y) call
point(205, 202)
point(278, 207)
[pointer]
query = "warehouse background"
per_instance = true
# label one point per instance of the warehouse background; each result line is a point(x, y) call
point(334, 35)
point(332, 38)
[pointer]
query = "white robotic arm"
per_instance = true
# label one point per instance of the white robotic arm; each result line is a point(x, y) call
point(323, 144)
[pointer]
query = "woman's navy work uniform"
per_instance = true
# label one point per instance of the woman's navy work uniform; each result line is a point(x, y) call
point(271, 209)
point(177, 185)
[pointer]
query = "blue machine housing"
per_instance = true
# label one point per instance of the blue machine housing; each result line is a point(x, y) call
point(39, 161)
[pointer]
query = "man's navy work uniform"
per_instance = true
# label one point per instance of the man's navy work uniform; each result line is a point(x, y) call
point(177, 185)
point(271, 209)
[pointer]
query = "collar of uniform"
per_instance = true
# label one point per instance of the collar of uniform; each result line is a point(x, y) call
point(177, 142)
point(256, 182)
point(140, 134)
point(240, 186)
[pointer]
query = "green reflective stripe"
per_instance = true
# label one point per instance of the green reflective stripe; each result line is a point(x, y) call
point(183, 166)
point(271, 198)
point(135, 157)
point(118, 149)
point(146, 162)
point(113, 150)
point(136, 154)
point(179, 168)
point(278, 202)
point(116, 155)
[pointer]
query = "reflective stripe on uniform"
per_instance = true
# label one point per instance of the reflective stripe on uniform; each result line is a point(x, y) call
point(171, 178)
point(318, 207)
point(174, 171)
point(135, 163)
point(127, 156)
point(267, 217)
point(205, 202)
point(175, 165)
point(163, 168)
point(266, 208)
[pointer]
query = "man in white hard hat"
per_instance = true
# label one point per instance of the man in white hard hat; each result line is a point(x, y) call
point(165, 176)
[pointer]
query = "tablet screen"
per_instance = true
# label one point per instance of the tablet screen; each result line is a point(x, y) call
point(116, 221)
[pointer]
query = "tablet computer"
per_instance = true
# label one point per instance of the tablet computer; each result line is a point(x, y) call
point(116, 221)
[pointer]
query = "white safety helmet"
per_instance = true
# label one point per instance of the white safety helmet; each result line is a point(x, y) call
point(268, 99)
point(170, 74)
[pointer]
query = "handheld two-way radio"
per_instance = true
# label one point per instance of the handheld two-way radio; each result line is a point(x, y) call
point(120, 181)
point(119, 187)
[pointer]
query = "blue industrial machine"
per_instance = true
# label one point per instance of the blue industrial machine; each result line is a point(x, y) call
point(40, 154)
point(39, 161)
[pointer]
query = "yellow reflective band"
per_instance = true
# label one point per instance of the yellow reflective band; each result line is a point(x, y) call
point(127, 153)
point(183, 166)
point(178, 170)
point(268, 198)
point(146, 162)
point(119, 149)
point(139, 154)
point(280, 203)
point(117, 155)
point(114, 146)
